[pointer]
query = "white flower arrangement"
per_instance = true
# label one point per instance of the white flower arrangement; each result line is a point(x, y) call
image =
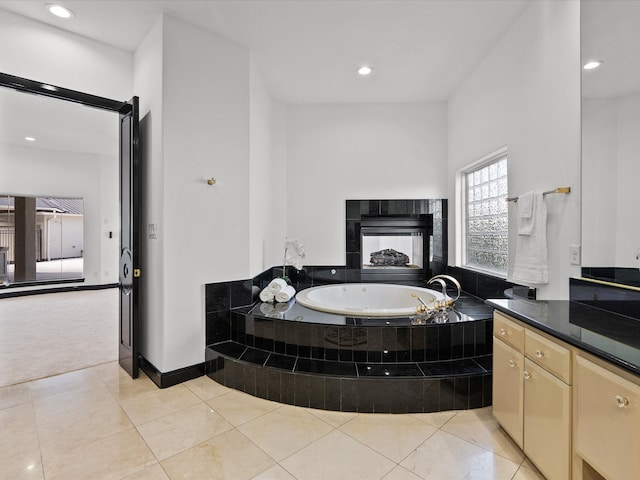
point(293, 255)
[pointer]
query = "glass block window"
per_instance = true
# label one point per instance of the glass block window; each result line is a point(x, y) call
point(486, 235)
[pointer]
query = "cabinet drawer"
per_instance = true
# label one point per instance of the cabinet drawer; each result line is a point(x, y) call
point(508, 331)
point(548, 354)
point(607, 431)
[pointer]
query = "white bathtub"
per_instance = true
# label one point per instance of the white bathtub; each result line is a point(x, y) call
point(367, 299)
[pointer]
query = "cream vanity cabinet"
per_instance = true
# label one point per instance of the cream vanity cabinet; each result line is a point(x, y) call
point(606, 421)
point(532, 394)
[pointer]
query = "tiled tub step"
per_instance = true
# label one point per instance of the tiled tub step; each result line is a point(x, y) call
point(407, 387)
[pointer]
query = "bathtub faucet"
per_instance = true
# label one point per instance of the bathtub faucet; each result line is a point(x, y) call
point(442, 280)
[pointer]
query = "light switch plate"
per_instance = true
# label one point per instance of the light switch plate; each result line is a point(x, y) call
point(574, 254)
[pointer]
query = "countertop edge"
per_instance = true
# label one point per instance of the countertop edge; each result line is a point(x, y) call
point(617, 361)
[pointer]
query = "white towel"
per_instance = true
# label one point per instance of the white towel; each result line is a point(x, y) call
point(285, 294)
point(267, 295)
point(277, 284)
point(525, 213)
point(530, 264)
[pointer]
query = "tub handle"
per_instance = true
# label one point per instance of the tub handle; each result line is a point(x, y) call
point(441, 280)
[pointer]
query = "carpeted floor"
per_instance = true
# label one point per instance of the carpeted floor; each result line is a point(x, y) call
point(53, 333)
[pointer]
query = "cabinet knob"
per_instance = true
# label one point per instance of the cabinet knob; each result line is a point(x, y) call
point(622, 401)
point(512, 364)
point(527, 375)
point(539, 353)
point(503, 331)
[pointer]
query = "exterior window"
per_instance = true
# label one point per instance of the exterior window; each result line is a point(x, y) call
point(486, 223)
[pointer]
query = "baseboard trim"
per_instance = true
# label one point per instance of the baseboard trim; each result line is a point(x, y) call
point(169, 379)
point(71, 288)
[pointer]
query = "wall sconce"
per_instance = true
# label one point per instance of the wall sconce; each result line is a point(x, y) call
point(211, 181)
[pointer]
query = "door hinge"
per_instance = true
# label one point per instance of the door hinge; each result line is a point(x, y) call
point(137, 272)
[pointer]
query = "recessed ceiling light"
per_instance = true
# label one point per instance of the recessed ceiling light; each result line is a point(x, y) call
point(59, 10)
point(591, 64)
point(365, 70)
point(30, 139)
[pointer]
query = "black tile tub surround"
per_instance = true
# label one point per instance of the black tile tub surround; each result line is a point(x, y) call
point(350, 387)
point(480, 284)
point(362, 364)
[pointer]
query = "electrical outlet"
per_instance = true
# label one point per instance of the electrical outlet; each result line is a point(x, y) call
point(574, 254)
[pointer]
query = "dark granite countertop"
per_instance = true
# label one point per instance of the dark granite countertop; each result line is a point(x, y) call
point(607, 335)
point(467, 308)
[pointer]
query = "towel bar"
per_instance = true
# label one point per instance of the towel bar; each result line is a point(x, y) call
point(555, 190)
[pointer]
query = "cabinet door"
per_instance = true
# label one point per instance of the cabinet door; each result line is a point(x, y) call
point(608, 421)
point(547, 421)
point(508, 366)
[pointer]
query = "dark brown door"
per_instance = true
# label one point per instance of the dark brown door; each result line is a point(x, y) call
point(129, 243)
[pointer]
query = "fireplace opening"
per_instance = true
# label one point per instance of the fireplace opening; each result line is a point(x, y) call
point(395, 248)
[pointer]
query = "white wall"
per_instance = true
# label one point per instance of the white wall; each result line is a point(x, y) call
point(610, 179)
point(37, 172)
point(600, 180)
point(148, 85)
point(37, 51)
point(265, 172)
point(526, 95)
point(358, 151)
point(203, 108)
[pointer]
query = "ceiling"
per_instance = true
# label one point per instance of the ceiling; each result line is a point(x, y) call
point(308, 50)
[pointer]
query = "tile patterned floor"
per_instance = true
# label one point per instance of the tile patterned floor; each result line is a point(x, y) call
point(97, 423)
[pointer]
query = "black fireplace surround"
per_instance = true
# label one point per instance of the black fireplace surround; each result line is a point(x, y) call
point(430, 215)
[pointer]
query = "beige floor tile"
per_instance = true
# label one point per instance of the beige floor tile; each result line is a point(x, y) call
point(332, 418)
point(113, 457)
point(524, 473)
point(110, 371)
point(337, 456)
point(238, 408)
point(206, 388)
point(122, 386)
point(394, 436)
point(64, 383)
point(228, 456)
point(401, 473)
point(14, 395)
point(274, 473)
point(446, 456)
point(19, 449)
point(179, 431)
point(285, 431)
point(150, 472)
point(158, 403)
point(73, 404)
point(12, 471)
point(481, 428)
point(66, 432)
point(437, 419)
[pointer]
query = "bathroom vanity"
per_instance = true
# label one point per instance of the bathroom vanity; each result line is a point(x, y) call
point(566, 387)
